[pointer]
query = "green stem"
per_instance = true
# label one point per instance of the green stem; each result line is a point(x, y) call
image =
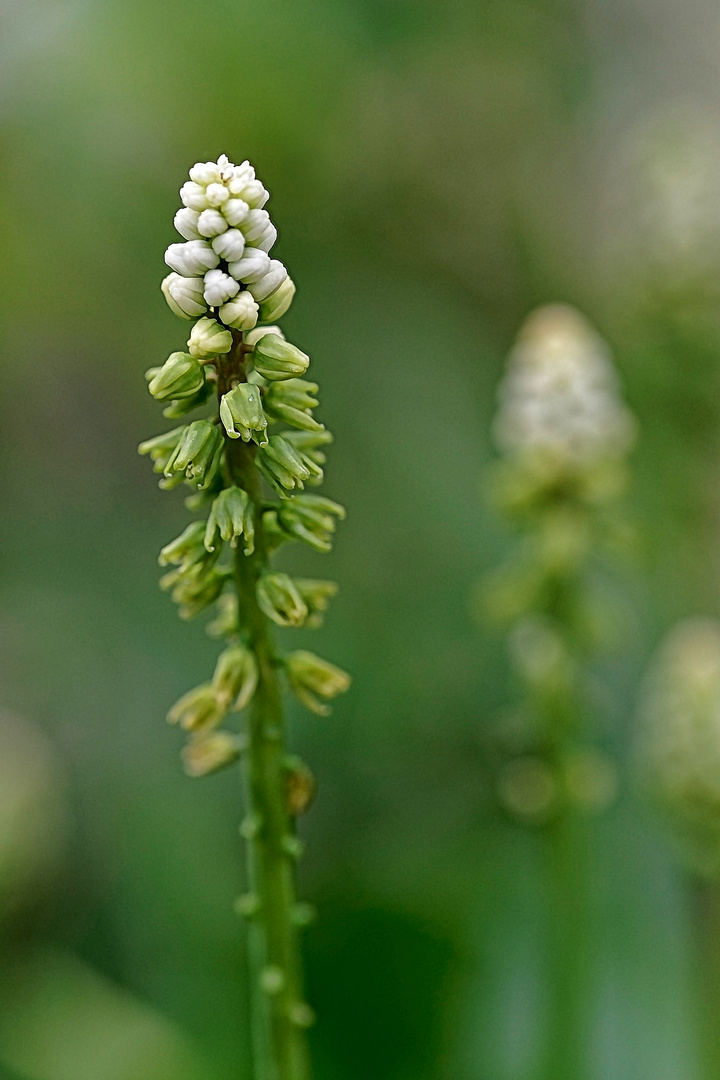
point(279, 1015)
point(569, 950)
point(706, 897)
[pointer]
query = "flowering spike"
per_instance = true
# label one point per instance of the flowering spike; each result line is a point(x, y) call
point(224, 280)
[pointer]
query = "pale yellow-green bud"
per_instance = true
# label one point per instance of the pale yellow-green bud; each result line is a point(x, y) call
point(280, 599)
point(313, 678)
point(208, 754)
point(198, 710)
point(235, 677)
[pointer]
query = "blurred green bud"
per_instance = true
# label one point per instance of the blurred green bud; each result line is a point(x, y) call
point(276, 358)
point(308, 443)
point(198, 454)
point(254, 336)
point(209, 753)
point(161, 448)
point(241, 312)
point(276, 304)
point(226, 621)
point(291, 401)
point(528, 789)
point(317, 595)
point(179, 377)
point(235, 677)
point(313, 678)
point(282, 465)
point(194, 588)
point(300, 786)
point(198, 710)
point(275, 536)
point(241, 412)
point(280, 599)
point(231, 516)
point(208, 338)
point(311, 518)
point(184, 295)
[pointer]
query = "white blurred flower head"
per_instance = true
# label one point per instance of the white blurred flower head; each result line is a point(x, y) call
point(679, 737)
point(559, 401)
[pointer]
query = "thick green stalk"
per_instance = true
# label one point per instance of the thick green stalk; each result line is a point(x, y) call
point(279, 1014)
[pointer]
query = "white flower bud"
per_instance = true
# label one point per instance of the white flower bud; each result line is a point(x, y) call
point(226, 167)
point(186, 223)
point(255, 194)
point(241, 175)
point(240, 313)
point(211, 223)
point(219, 287)
point(268, 238)
point(193, 196)
point(235, 211)
point(208, 338)
point(253, 265)
point(255, 225)
point(270, 281)
point(205, 172)
point(192, 258)
point(217, 194)
point(184, 295)
point(253, 338)
point(229, 245)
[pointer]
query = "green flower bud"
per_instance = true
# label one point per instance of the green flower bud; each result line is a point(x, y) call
point(183, 406)
point(276, 358)
point(208, 338)
point(310, 518)
point(187, 549)
point(194, 588)
point(279, 598)
point(276, 304)
point(308, 443)
point(235, 677)
point(282, 465)
point(210, 753)
point(198, 455)
point(300, 786)
point(161, 448)
point(226, 622)
point(242, 414)
point(312, 678)
point(198, 710)
point(291, 401)
point(317, 595)
point(180, 376)
point(231, 516)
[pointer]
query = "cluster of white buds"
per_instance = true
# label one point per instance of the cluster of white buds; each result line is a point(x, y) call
point(224, 264)
point(559, 401)
point(679, 738)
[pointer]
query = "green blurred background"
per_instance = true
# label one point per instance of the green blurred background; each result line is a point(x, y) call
point(436, 171)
